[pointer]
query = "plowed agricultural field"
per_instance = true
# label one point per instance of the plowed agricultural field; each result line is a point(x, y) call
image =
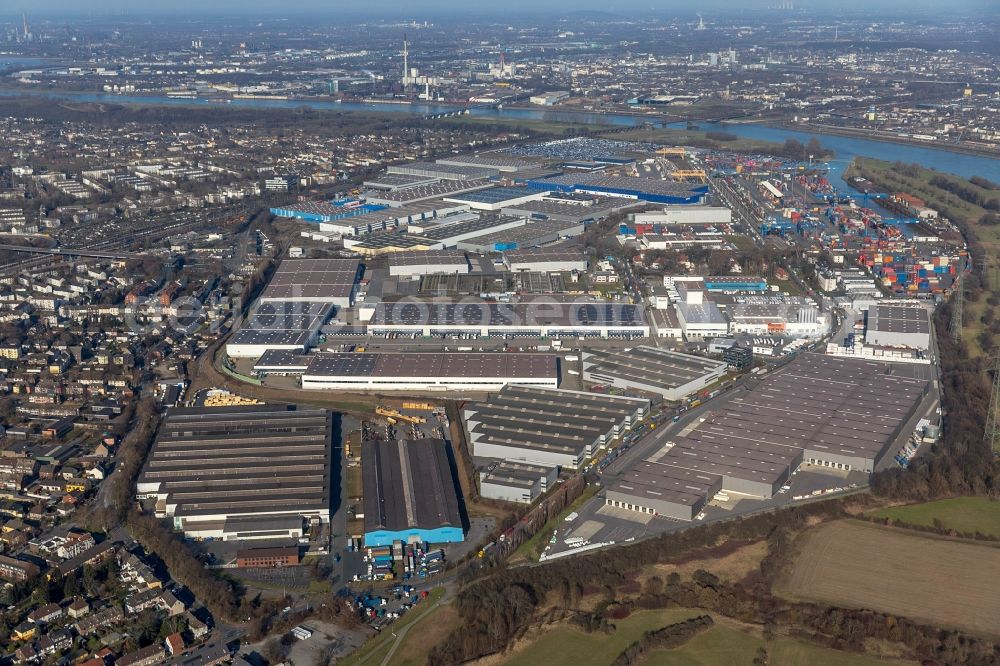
point(858, 565)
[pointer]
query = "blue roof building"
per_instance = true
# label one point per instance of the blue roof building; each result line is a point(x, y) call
point(410, 493)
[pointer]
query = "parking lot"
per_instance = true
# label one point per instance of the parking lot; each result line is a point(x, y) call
point(600, 524)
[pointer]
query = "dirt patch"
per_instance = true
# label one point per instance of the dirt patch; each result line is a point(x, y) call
point(946, 582)
point(732, 560)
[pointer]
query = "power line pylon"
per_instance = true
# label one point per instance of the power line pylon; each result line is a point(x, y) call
point(991, 434)
point(956, 311)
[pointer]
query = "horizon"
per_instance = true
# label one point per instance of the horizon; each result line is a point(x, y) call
point(444, 8)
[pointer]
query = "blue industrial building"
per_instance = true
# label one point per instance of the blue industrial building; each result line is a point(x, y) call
point(320, 211)
point(410, 493)
point(735, 283)
point(630, 187)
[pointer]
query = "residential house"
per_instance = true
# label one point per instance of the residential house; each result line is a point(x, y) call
point(47, 614)
point(78, 608)
point(25, 631)
point(147, 656)
point(174, 643)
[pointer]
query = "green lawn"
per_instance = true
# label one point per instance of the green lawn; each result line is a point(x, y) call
point(722, 645)
point(566, 644)
point(963, 514)
point(792, 651)
point(719, 646)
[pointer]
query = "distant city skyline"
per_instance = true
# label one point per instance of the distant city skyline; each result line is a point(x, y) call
point(395, 8)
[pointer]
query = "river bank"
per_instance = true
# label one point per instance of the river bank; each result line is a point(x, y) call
point(964, 164)
point(874, 135)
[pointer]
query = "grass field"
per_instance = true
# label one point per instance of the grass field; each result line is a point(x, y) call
point(962, 514)
point(928, 578)
point(565, 644)
point(725, 644)
point(686, 137)
point(792, 651)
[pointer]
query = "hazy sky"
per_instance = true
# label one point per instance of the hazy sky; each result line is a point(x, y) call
point(500, 7)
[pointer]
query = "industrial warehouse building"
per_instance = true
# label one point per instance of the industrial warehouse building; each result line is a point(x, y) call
point(314, 280)
point(795, 320)
point(628, 187)
point(664, 490)
point(517, 482)
point(670, 374)
point(546, 260)
point(822, 410)
point(409, 492)
point(498, 161)
point(291, 326)
point(429, 371)
point(497, 198)
point(526, 234)
point(572, 210)
point(549, 316)
point(233, 473)
point(898, 326)
point(427, 262)
point(548, 426)
point(699, 317)
point(434, 190)
point(299, 299)
point(687, 215)
point(443, 171)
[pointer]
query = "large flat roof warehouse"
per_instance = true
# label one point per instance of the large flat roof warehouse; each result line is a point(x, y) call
point(664, 489)
point(828, 410)
point(898, 326)
point(496, 198)
point(671, 374)
point(546, 315)
point(429, 371)
point(546, 259)
point(281, 361)
point(389, 243)
point(647, 189)
point(257, 463)
point(419, 262)
point(448, 232)
point(577, 211)
point(397, 181)
point(548, 426)
point(288, 316)
point(320, 280)
point(531, 233)
point(409, 492)
point(444, 171)
point(503, 163)
point(434, 190)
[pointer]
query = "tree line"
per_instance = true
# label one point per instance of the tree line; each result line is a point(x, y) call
point(967, 193)
point(669, 637)
point(500, 608)
point(962, 462)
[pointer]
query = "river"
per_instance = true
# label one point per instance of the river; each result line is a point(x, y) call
point(846, 148)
